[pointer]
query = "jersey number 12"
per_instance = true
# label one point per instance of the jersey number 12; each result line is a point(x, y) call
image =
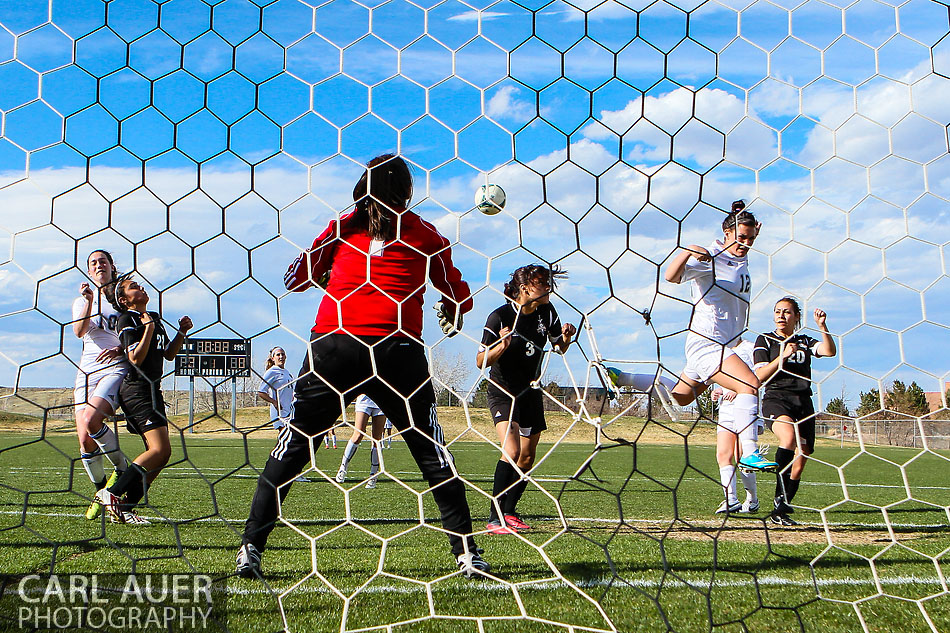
point(745, 283)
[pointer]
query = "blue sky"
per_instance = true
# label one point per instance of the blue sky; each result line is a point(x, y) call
point(206, 145)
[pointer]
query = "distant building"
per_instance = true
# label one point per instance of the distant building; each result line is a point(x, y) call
point(935, 398)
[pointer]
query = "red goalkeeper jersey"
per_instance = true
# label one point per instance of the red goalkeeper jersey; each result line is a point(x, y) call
point(377, 288)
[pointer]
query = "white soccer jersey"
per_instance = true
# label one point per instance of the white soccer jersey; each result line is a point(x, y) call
point(100, 336)
point(276, 384)
point(720, 289)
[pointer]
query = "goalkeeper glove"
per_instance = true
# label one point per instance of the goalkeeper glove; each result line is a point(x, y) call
point(450, 319)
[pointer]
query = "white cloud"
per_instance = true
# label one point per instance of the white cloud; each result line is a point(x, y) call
point(473, 16)
point(505, 103)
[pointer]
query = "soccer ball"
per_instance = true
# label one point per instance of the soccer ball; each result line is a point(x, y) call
point(490, 199)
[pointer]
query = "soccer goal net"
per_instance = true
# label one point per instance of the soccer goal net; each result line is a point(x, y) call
point(205, 144)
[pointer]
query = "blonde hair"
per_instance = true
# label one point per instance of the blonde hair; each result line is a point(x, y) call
point(270, 357)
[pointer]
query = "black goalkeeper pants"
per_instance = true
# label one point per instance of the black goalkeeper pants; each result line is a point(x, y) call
point(337, 369)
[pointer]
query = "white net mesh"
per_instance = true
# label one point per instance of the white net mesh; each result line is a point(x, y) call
point(206, 143)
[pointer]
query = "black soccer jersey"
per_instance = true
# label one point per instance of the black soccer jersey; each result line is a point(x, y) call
point(795, 371)
point(521, 362)
point(131, 331)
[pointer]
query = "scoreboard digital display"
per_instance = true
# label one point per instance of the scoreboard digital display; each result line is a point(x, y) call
point(214, 357)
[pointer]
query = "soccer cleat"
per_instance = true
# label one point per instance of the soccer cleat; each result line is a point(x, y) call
point(131, 517)
point(341, 474)
point(371, 484)
point(749, 506)
point(756, 462)
point(111, 503)
point(612, 375)
point(728, 508)
point(472, 565)
point(93, 510)
point(781, 507)
point(248, 561)
point(781, 519)
point(495, 527)
point(514, 521)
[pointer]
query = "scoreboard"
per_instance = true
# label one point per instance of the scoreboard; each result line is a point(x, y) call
point(214, 357)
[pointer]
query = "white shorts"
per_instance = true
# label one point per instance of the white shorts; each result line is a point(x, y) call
point(704, 358)
point(727, 420)
point(99, 384)
point(367, 406)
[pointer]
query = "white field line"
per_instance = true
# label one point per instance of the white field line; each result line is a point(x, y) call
point(668, 583)
point(660, 523)
point(56, 469)
point(415, 587)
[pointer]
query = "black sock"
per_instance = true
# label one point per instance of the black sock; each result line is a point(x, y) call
point(135, 494)
point(783, 457)
point(791, 487)
point(514, 495)
point(101, 484)
point(504, 475)
point(133, 477)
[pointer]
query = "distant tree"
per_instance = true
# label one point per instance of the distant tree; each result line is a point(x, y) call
point(917, 399)
point(837, 406)
point(908, 400)
point(449, 373)
point(705, 405)
point(480, 397)
point(870, 401)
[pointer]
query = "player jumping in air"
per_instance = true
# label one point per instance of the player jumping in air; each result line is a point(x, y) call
point(367, 339)
point(366, 410)
point(147, 347)
point(101, 370)
point(513, 346)
point(720, 288)
point(783, 363)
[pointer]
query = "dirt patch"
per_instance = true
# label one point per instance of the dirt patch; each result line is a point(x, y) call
point(754, 530)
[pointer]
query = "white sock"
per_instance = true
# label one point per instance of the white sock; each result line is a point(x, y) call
point(640, 382)
point(108, 443)
point(349, 451)
point(746, 407)
point(643, 382)
point(374, 460)
point(92, 463)
point(748, 482)
point(727, 475)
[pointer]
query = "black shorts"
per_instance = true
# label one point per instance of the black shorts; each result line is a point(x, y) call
point(797, 406)
point(526, 409)
point(143, 406)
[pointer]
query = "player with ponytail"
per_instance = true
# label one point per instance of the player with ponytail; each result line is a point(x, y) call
point(513, 346)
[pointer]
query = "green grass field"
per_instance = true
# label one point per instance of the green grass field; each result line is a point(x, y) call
point(631, 545)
